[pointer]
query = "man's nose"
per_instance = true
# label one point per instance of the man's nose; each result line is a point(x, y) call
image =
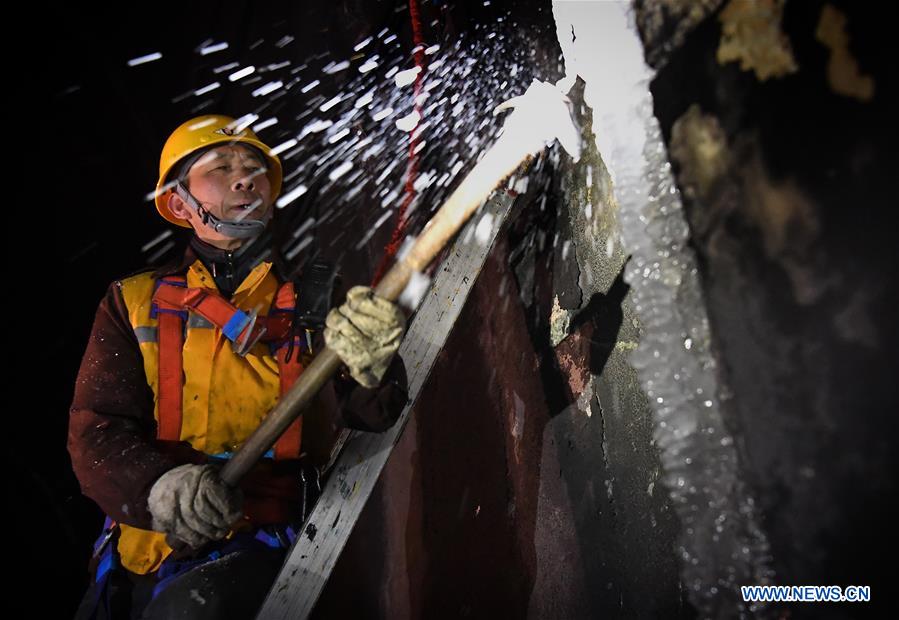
point(244, 183)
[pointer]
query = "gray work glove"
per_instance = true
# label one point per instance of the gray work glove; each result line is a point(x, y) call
point(193, 504)
point(365, 332)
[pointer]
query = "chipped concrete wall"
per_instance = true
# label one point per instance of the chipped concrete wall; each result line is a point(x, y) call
point(594, 330)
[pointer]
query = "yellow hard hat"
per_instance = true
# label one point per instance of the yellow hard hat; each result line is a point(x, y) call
point(199, 133)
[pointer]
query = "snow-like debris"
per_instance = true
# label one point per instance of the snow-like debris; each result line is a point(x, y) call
point(140, 60)
point(284, 146)
point(268, 88)
point(213, 48)
point(237, 75)
point(340, 170)
point(404, 78)
point(408, 122)
point(207, 89)
point(265, 124)
point(292, 195)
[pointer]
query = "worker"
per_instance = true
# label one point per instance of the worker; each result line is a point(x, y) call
point(183, 363)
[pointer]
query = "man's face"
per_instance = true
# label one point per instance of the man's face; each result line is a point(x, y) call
point(229, 182)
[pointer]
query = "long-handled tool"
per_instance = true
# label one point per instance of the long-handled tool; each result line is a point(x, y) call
point(540, 116)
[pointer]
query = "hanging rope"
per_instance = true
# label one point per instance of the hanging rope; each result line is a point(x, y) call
point(412, 169)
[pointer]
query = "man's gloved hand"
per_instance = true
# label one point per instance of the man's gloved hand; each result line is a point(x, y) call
point(192, 503)
point(365, 332)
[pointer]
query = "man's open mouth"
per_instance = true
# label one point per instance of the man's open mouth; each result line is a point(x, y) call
point(244, 209)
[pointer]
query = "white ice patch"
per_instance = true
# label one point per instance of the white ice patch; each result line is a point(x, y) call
point(378, 116)
point(390, 197)
point(362, 143)
point(340, 135)
point(404, 78)
point(333, 67)
point(206, 89)
point(267, 89)
point(415, 290)
point(283, 41)
point(340, 170)
point(364, 100)
point(227, 67)
point(304, 227)
point(484, 230)
point(518, 422)
point(315, 127)
point(290, 196)
point(330, 103)
point(521, 185)
point(242, 73)
point(244, 121)
point(373, 150)
point(367, 66)
point(405, 247)
point(276, 65)
point(265, 124)
point(289, 144)
point(159, 192)
point(140, 60)
point(408, 122)
point(423, 181)
point(156, 240)
point(298, 247)
point(212, 49)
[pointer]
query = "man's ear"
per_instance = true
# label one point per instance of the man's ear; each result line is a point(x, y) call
point(178, 207)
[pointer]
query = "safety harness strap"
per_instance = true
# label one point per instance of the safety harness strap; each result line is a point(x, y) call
point(171, 318)
point(290, 368)
point(171, 303)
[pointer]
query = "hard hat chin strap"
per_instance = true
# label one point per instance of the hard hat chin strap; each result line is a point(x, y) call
point(236, 229)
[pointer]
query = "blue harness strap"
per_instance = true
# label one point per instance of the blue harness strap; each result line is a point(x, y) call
point(274, 536)
point(107, 560)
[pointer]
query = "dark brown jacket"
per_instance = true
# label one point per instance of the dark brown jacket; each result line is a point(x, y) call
point(112, 430)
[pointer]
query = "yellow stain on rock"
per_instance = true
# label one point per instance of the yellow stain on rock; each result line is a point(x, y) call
point(699, 145)
point(843, 74)
point(751, 34)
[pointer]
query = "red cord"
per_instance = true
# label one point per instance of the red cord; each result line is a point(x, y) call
point(412, 169)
